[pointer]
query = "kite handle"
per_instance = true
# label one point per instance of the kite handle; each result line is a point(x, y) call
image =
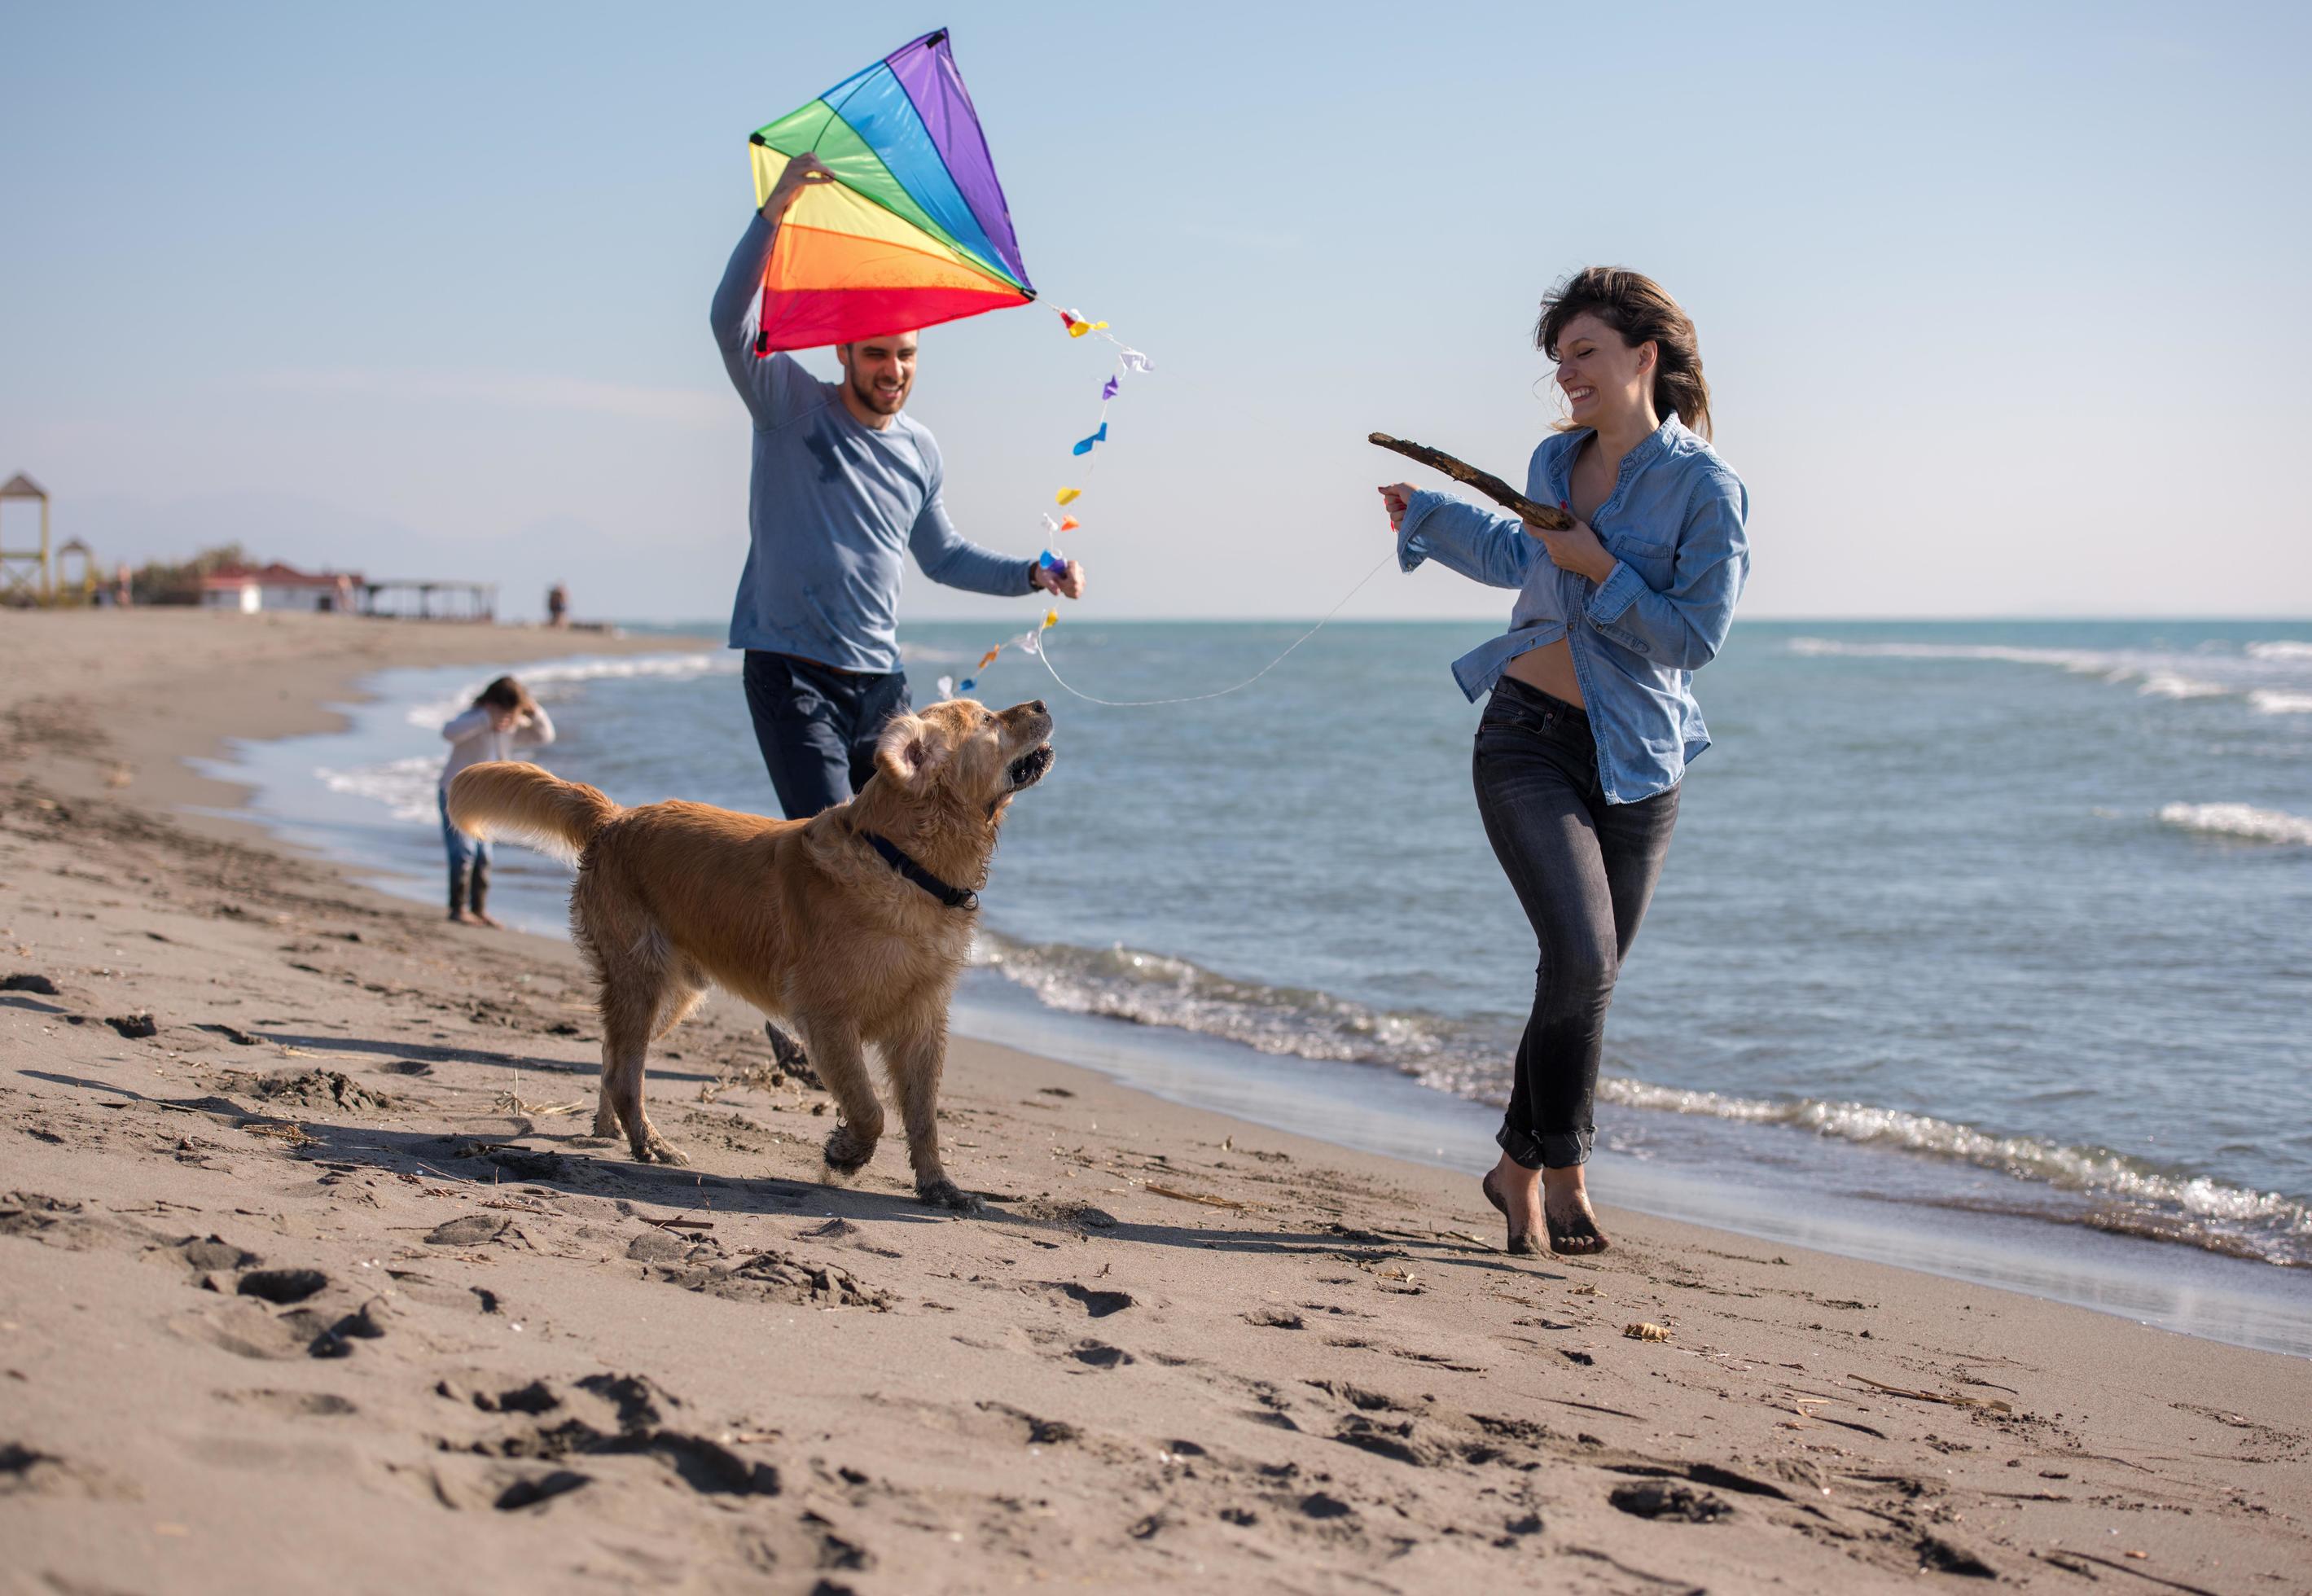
point(1485, 482)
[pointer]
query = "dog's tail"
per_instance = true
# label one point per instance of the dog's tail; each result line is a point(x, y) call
point(509, 798)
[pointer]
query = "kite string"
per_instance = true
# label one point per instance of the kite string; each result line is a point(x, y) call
point(1044, 652)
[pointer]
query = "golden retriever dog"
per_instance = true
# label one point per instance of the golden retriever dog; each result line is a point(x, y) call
point(852, 926)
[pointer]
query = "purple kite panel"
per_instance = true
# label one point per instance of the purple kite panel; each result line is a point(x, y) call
point(927, 70)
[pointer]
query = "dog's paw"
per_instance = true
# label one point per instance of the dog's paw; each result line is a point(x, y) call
point(656, 1149)
point(943, 1193)
point(847, 1154)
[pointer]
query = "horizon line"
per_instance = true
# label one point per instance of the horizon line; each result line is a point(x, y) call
point(722, 623)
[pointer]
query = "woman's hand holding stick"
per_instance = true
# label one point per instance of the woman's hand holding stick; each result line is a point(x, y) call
point(1485, 482)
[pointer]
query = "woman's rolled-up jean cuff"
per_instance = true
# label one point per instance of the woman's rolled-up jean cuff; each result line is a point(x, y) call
point(1551, 1150)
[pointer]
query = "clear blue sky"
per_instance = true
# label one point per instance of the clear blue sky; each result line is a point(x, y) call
point(2005, 307)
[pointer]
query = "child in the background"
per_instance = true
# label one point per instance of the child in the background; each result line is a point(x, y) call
point(503, 718)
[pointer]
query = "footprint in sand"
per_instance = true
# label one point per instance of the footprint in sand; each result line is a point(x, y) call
point(243, 1327)
point(282, 1287)
point(612, 1424)
point(1095, 1304)
point(1658, 1499)
point(291, 1404)
point(772, 1276)
point(844, 1233)
point(26, 1470)
point(1033, 1431)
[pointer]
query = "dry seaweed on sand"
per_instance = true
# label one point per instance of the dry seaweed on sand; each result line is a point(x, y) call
point(510, 1103)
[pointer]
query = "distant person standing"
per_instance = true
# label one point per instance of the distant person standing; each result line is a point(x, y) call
point(557, 606)
point(1591, 719)
point(845, 486)
point(502, 717)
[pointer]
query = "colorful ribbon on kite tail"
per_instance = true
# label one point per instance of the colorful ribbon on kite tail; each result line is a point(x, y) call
point(1129, 362)
point(1028, 642)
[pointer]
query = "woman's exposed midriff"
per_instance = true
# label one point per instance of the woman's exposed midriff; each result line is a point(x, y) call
point(1549, 668)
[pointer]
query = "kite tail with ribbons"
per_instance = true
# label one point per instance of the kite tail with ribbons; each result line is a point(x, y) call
point(1129, 363)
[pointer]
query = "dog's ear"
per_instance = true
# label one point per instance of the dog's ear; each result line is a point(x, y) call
point(910, 750)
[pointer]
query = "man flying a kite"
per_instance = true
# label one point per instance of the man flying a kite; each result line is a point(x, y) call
point(844, 486)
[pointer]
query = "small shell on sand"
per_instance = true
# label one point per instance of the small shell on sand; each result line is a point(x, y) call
point(1643, 1331)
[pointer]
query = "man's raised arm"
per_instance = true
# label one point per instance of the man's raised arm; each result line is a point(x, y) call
point(735, 297)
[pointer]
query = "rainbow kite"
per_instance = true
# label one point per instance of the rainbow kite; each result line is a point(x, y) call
point(914, 230)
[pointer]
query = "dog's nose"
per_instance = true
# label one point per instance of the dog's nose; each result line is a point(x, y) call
point(1038, 708)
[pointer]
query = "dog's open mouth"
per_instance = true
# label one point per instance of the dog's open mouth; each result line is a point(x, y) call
point(1032, 767)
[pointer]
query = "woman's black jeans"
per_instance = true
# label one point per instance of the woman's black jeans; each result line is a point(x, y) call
point(1584, 870)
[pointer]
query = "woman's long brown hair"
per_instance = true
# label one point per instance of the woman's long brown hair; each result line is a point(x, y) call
point(1640, 310)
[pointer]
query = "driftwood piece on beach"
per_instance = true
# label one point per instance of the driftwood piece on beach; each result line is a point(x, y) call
point(1992, 1403)
point(1508, 499)
point(1191, 1196)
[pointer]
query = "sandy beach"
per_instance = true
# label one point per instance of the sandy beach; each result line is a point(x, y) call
point(310, 1277)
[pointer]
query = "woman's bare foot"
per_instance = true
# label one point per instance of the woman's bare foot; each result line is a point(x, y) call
point(1513, 1188)
point(1565, 1208)
point(459, 916)
point(491, 921)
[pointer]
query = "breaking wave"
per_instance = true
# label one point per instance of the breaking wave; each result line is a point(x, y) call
point(404, 786)
point(1470, 1059)
point(2239, 820)
point(2269, 675)
point(667, 667)
point(1121, 983)
point(2167, 684)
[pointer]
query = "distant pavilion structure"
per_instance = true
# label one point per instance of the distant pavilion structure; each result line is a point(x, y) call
point(26, 575)
point(431, 600)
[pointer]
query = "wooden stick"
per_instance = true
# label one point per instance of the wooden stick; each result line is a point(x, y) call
point(1897, 1390)
point(1485, 482)
point(1192, 1196)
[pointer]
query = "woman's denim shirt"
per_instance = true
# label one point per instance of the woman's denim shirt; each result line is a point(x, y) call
point(1674, 524)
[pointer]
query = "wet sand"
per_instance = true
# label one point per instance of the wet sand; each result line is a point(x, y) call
point(310, 1274)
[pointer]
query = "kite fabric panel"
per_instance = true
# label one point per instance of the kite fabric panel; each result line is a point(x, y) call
point(914, 230)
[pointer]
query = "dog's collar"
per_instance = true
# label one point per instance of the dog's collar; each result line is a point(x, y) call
point(961, 897)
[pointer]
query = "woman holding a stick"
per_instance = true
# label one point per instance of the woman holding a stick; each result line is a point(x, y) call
point(1622, 595)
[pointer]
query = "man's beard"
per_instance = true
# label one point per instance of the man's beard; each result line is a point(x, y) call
point(867, 395)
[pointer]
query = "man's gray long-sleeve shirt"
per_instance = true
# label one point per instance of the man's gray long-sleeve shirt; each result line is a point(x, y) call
point(833, 506)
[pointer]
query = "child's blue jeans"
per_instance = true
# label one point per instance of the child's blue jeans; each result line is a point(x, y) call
point(470, 863)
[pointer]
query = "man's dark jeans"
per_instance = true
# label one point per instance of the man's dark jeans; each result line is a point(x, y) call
point(817, 726)
point(1584, 870)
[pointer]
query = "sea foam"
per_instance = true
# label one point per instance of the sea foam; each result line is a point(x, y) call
point(2269, 675)
point(1472, 1060)
point(2241, 820)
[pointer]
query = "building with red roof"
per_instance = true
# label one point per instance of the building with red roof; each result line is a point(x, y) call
point(250, 589)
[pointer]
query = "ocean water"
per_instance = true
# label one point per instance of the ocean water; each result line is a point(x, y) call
point(1994, 930)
